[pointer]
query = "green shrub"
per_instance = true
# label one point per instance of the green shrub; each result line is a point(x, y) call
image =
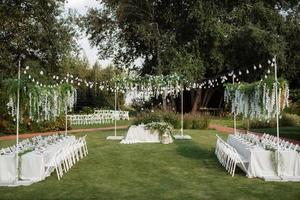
point(285, 120)
point(290, 120)
point(187, 123)
point(200, 123)
point(148, 117)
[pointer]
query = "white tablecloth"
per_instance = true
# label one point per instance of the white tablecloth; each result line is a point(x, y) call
point(138, 134)
point(7, 169)
point(260, 160)
point(33, 163)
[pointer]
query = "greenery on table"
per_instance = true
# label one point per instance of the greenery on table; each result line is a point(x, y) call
point(161, 127)
point(181, 170)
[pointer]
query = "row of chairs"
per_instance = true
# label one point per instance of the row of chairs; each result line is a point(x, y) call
point(273, 140)
point(66, 157)
point(229, 157)
point(120, 114)
point(99, 117)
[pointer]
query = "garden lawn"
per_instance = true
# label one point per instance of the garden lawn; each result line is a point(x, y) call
point(182, 170)
point(292, 132)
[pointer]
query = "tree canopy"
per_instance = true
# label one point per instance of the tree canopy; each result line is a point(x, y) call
point(199, 38)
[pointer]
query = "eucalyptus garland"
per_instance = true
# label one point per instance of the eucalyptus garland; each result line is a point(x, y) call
point(40, 103)
point(257, 100)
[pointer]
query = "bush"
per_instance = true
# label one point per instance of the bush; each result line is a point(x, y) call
point(148, 117)
point(285, 120)
point(290, 120)
point(189, 121)
point(200, 123)
point(27, 125)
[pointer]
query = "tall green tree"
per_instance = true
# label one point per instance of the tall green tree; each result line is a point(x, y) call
point(197, 38)
point(34, 30)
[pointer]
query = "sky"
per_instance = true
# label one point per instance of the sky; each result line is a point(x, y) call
point(82, 6)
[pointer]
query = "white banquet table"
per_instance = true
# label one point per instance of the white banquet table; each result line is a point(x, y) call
point(260, 160)
point(7, 168)
point(33, 163)
point(139, 134)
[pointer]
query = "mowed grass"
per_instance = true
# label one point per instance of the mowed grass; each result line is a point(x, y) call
point(182, 170)
point(292, 132)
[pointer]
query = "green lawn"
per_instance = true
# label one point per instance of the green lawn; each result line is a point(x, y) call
point(183, 170)
point(286, 132)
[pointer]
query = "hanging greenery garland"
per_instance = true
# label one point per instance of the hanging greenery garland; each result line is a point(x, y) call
point(150, 85)
point(257, 100)
point(40, 102)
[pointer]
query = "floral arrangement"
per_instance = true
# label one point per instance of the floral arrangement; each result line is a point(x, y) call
point(257, 100)
point(40, 103)
point(161, 127)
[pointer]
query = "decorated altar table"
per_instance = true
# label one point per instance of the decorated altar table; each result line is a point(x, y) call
point(141, 134)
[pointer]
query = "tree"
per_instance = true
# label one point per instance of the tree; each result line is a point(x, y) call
point(34, 30)
point(199, 38)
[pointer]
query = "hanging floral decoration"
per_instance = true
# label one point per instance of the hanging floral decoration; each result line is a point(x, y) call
point(151, 85)
point(257, 100)
point(40, 103)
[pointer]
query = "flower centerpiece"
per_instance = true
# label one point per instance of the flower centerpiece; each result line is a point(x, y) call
point(164, 130)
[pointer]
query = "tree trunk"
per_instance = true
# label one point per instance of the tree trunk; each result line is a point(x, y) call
point(208, 96)
point(196, 101)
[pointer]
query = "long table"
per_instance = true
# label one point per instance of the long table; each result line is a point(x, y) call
point(8, 172)
point(261, 161)
point(33, 164)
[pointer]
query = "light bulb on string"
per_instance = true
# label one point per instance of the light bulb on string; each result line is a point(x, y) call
point(27, 67)
point(41, 73)
point(273, 59)
point(240, 73)
point(29, 76)
point(254, 67)
point(247, 71)
point(266, 76)
point(260, 66)
point(269, 71)
point(25, 72)
point(269, 62)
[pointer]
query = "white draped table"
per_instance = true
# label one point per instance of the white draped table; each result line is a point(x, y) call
point(8, 172)
point(33, 163)
point(261, 163)
point(139, 134)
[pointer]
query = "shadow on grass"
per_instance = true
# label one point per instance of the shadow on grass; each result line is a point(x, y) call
point(191, 149)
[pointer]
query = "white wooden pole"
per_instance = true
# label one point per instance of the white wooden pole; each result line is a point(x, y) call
point(181, 111)
point(66, 113)
point(115, 114)
point(234, 115)
point(277, 111)
point(18, 122)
